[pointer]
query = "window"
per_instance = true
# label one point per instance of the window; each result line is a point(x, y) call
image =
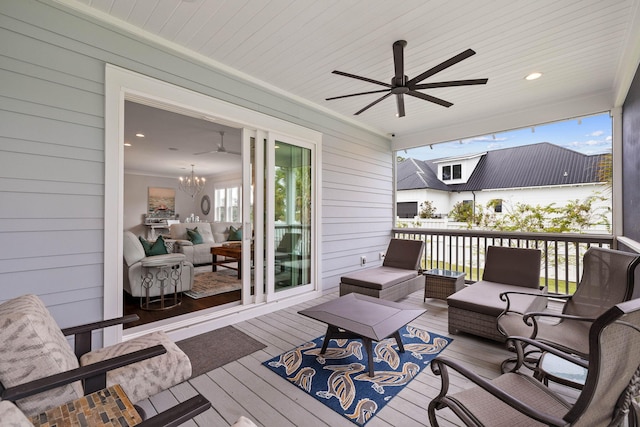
point(446, 173)
point(227, 204)
point(452, 172)
point(497, 205)
point(457, 171)
point(407, 209)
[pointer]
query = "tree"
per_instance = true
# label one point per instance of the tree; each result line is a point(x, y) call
point(462, 212)
point(605, 170)
point(427, 210)
point(574, 217)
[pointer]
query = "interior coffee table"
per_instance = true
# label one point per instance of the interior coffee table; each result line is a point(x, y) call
point(232, 254)
point(363, 317)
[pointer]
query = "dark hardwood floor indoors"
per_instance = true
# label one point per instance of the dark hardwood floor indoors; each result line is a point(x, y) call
point(188, 305)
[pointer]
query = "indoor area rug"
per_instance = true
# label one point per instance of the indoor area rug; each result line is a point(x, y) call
point(340, 378)
point(213, 349)
point(214, 283)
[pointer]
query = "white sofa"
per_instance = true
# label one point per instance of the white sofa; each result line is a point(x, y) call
point(134, 256)
point(213, 234)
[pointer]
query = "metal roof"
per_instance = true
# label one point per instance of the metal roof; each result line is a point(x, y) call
point(536, 165)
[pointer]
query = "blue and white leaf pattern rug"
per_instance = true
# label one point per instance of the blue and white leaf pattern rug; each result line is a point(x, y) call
point(340, 377)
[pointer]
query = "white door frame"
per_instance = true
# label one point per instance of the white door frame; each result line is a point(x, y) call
point(121, 85)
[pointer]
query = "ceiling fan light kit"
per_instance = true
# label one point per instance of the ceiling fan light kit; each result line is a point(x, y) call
point(401, 85)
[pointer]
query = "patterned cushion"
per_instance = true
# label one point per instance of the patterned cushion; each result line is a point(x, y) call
point(11, 416)
point(143, 379)
point(33, 347)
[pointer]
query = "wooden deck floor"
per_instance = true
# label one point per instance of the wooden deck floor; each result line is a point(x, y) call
point(245, 387)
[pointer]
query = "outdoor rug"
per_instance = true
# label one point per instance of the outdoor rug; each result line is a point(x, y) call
point(340, 378)
point(214, 283)
point(213, 349)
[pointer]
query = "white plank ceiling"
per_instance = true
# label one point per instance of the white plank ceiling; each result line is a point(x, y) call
point(584, 48)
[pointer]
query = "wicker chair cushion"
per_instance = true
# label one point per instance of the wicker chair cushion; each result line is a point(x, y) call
point(484, 297)
point(512, 266)
point(34, 347)
point(379, 277)
point(143, 379)
point(404, 254)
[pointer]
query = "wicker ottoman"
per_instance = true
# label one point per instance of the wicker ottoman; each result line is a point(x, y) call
point(439, 283)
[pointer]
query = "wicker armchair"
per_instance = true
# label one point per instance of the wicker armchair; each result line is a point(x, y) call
point(516, 398)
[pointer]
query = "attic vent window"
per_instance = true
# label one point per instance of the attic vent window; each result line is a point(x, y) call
point(452, 172)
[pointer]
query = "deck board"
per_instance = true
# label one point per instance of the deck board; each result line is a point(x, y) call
point(245, 387)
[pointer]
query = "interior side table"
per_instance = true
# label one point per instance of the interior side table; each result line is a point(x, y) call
point(439, 283)
point(106, 407)
point(164, 271)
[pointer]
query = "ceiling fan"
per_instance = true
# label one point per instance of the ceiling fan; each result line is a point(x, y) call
point(220, 149)
point(401, 85)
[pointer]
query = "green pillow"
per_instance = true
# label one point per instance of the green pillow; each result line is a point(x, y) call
point(235, 234)
point(194, 236)
point(157, 248)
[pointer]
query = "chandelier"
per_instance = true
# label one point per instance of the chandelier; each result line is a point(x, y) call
point(191, 185)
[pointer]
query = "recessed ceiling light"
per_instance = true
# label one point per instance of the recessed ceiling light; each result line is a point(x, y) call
point(127, 144)
point(533, 76)
point(140, 135)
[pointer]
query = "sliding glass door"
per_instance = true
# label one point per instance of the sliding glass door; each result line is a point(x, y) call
point(292, 216)
point(281, 181)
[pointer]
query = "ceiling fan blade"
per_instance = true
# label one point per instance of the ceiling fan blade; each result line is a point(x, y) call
point(204, 152)
point(400, 102)
point(398, 61)
point(357, 94)
point(353, 76)
point(450, 84)
point(442, 66)
point(430, 98)
point(373, 103)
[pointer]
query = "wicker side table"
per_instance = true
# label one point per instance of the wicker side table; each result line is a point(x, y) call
point(439, 283)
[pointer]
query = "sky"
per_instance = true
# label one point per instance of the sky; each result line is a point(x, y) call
point(589, 135)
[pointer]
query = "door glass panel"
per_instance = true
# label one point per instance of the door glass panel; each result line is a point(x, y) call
point(292, 216)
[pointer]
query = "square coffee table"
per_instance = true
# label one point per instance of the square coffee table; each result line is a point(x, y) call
point(363, 317)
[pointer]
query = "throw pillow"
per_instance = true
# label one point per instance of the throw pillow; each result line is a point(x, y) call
point(194, 236)
point(157, 248)
point(235, 234)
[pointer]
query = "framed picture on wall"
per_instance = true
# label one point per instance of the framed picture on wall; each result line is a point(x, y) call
point(161, 202)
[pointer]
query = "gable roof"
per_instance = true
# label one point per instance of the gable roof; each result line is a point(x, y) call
point(535, 165)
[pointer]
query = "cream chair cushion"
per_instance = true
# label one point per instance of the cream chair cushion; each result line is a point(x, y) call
point(148, 377)
point(11, 416)
point(34, 347)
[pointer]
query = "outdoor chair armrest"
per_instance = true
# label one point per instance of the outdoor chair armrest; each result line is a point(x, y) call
point(178, 414)
point(82, 333)
point(531, 316)
point(520, 342)
point(504, 296)
point(440, 365)
point(93, 375)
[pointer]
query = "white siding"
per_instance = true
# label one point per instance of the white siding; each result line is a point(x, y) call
point(52, 64)
point(542, 196)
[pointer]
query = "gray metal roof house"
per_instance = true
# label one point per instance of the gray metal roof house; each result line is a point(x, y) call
point(537, 168)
